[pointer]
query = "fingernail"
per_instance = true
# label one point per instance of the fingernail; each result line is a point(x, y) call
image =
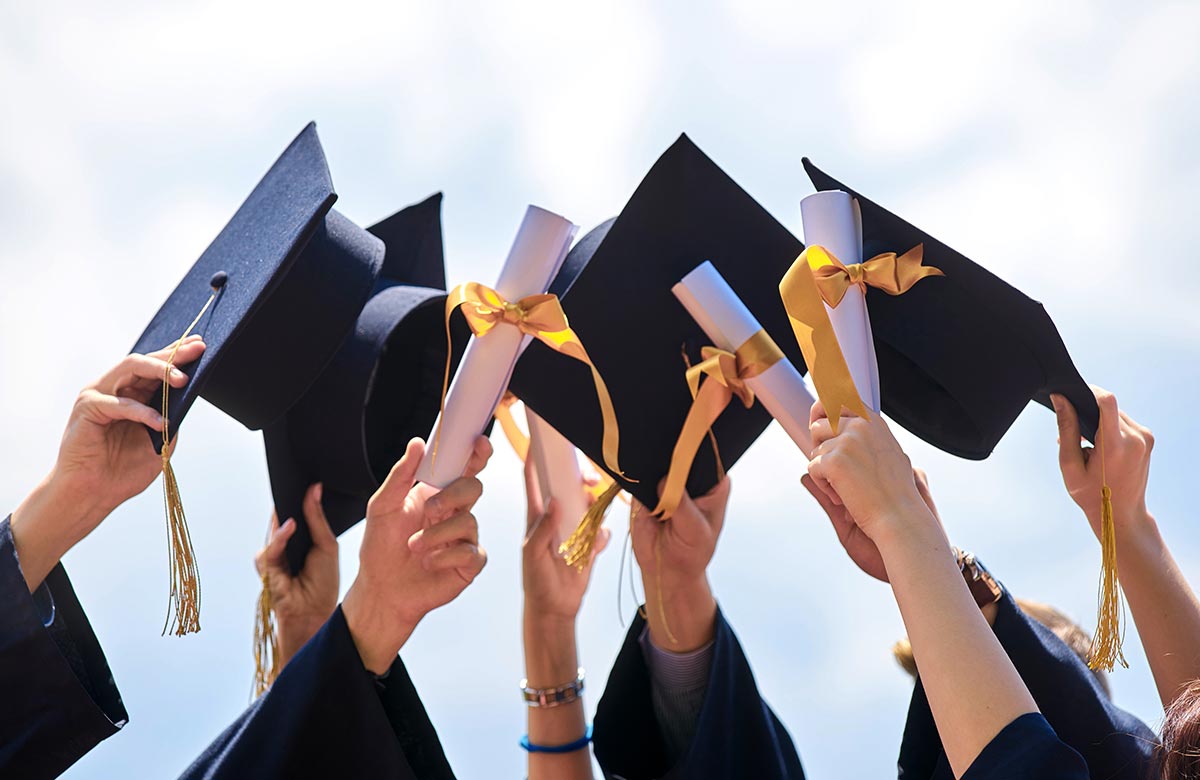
point(416, 542)
point(177, 374)
point(320, 490)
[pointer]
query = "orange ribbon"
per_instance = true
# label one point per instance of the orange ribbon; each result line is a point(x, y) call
point(542, 317)
point(724, 374)
point(516, 437)
point(805, 307)
point(894, 275)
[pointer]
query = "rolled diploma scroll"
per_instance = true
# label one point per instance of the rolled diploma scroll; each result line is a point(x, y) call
point(831, 219)
point(717, 309)
point(536, 255)
point(557, 469)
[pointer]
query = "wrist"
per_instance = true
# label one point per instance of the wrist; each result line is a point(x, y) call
point(50, 521)
point(295, 631)
point(681, 614)
point(907, 525)
point(377, 634)
point(551, 655)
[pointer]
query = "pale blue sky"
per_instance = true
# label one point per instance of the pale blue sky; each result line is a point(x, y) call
point(1054, 143)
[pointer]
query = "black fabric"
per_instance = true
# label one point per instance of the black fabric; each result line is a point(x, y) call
point(327, 717)
point(1028, 749)
point(737, 735)
point(615, 287)
point(960, 356)
point(381, 389)
point(59, 697)
point(1114, 744)
point(297, 275)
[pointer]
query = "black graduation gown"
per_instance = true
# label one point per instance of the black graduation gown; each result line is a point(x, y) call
point(1114, 744)
point(57, 693)
point(326, 716)
point(737, 735)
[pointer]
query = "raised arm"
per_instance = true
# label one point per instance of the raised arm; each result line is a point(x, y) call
point(974, 691)
point(1163, 604)
point(558, 735)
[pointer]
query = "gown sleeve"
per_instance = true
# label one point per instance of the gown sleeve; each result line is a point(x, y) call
point(1112, 742)
point(60, 700)
point(736, 734)
point(328, 716)
point(1029, 749)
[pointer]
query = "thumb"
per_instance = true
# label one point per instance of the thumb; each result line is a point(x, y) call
point(401, 478)
point(1070, 452)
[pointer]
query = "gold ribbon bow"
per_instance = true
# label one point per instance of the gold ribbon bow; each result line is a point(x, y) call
point(814, 332)
point(893, 274)
point(542, 317)
point(724, 374)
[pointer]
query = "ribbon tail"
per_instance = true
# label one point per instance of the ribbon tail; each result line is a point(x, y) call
point(710, 402)
point(818, 342)
point(516, 437)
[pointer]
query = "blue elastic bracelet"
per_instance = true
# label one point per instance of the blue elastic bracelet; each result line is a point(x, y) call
point(570, 747)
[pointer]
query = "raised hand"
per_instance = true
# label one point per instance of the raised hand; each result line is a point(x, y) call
point(105, 458)
point(1126, 465)
point(674, 555)
point(302, 602)
point(420, 550)
point(553, 589)
point(857, 544)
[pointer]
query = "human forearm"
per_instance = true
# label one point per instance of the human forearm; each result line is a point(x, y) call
point(377, 634)
point(681, 614)
point(1162, 603)
point(48, 523)
point(955, 649)
point(551, 660)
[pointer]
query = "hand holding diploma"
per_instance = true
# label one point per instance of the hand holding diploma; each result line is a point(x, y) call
point(535, 257)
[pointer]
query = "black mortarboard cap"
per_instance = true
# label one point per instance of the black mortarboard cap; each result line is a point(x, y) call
point(960, 355)
point(381, 388)
point(292, 274)
point(615, 287)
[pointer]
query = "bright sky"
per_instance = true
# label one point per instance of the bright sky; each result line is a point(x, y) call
point(1052, 142)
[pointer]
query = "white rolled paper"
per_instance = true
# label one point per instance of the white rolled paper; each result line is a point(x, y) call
point(536, 255)
point(557, 468)
point(726, 320)
point(832, 220)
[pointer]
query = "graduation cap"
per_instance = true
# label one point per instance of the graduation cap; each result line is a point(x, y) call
point(960, 355)
point(273, 296)
point(615, 287)
point(381, 388)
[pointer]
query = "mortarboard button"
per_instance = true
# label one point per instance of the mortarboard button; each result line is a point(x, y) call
point(286, 278)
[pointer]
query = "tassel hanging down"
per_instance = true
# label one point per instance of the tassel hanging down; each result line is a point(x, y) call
point(266, 642)
point(577, 549)
point(1105, 651)
point(183, 605)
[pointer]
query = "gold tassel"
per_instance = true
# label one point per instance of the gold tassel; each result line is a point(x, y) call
point(183, 603)
point(1106, 651)
point(577, 549)
point(266, 642)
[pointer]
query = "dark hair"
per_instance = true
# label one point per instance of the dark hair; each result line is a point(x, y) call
point(1179, 752)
